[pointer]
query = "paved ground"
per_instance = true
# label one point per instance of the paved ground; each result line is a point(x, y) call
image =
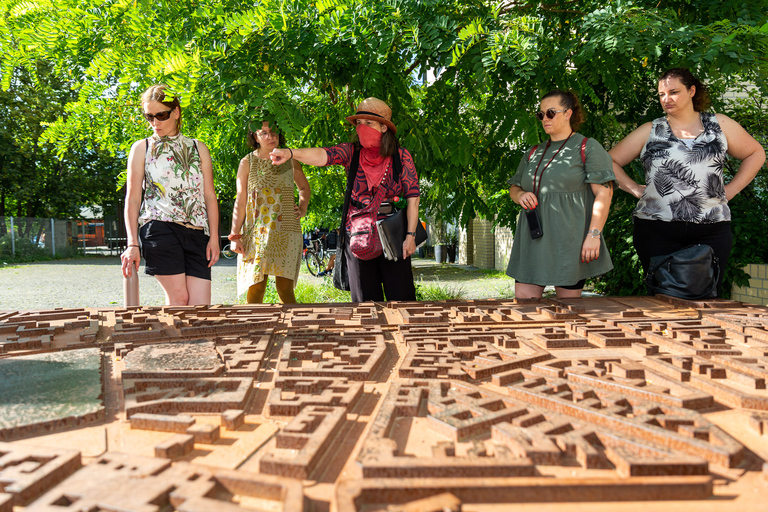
point(97, 282)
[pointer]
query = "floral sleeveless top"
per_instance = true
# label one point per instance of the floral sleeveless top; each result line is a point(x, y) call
point(173, 183)
point(684, 183)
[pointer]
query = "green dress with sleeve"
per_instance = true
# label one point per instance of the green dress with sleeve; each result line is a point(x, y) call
point(565, 210)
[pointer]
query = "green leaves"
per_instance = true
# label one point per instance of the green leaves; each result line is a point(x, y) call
point(462, 77)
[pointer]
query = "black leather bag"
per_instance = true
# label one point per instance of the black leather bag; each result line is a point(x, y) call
point(691, 273)
point(340, 269)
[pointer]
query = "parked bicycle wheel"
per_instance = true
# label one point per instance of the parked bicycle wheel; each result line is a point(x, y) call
point(314, 265)
point(227, 252)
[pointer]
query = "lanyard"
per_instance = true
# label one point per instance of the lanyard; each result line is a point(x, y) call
point(536, 173)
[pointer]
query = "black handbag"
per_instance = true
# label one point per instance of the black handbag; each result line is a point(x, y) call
point(691, 273)
point(340, 269)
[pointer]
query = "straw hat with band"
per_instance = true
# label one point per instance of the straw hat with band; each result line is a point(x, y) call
point(375, 110)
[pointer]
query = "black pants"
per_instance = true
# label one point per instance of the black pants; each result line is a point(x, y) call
point(367, 277)
point(657, 238)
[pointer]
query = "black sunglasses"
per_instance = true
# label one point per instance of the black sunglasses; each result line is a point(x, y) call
point(160, 116)
point(551, 113)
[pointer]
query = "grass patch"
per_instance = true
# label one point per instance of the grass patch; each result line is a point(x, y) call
point(438, 291)
point(494, 274)
point(506, 290)
point(306, 293)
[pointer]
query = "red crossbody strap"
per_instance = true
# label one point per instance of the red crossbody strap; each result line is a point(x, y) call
point(532, 150)
point(583, 151)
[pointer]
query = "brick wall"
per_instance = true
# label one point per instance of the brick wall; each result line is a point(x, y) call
point(757, 291)
point(483, 255)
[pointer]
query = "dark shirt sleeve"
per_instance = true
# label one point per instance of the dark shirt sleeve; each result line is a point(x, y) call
point(409, 178)
point(341, 154)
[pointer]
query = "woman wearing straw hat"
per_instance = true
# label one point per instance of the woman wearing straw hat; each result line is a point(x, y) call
point(377, 169)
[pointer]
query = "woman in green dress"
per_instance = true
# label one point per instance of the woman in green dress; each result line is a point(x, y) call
point(266, 232)
point(567, 185)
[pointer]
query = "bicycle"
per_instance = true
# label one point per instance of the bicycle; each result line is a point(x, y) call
point(315, 256)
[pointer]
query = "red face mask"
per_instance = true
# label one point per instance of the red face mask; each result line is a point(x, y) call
point(369, 137)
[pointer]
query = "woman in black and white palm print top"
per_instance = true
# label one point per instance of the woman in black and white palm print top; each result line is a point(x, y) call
point(684, 177)
point(685, 200)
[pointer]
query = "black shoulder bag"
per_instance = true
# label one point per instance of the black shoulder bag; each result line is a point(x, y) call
point(691, 273)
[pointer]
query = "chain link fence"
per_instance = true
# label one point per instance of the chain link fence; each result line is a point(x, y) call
point(27, 239)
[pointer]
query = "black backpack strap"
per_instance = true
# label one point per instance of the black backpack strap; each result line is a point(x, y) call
point(351, 175)
point(397, 166)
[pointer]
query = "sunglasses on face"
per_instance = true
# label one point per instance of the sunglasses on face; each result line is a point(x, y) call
point(160, 116)
point(551, 113)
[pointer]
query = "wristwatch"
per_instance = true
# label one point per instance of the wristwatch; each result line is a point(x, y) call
point(412, 233)
point(594, 233)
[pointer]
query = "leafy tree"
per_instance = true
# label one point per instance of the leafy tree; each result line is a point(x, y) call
point(462, 76)
point(34, 180)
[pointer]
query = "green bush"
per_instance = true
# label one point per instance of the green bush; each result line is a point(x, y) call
point(436, 291)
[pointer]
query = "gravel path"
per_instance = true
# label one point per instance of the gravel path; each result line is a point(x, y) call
point(97, 282)
point(92, 282)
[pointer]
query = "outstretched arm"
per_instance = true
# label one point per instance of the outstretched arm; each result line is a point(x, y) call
point(310, 156)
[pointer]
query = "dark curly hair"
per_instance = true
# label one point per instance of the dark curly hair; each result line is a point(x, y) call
point(700, 97)
point(569, 101)
point(253, 140)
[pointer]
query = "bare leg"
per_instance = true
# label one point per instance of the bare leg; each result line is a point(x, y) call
point(564, 293)
point(175, 288)
point(284, 288)
point(199, 291)
point(256, 291)
point(528, 291)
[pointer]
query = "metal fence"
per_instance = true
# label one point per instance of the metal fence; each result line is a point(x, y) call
point(24, 237)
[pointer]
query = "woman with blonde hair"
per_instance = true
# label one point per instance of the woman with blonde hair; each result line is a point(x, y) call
point(171, 211)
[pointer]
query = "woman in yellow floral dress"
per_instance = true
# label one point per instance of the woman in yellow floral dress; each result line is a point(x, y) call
point(270, 242)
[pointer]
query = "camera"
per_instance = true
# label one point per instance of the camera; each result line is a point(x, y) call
point(534, 223)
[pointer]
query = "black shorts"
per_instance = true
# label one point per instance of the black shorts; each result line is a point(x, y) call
point(169, 249)
point(577, 286)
